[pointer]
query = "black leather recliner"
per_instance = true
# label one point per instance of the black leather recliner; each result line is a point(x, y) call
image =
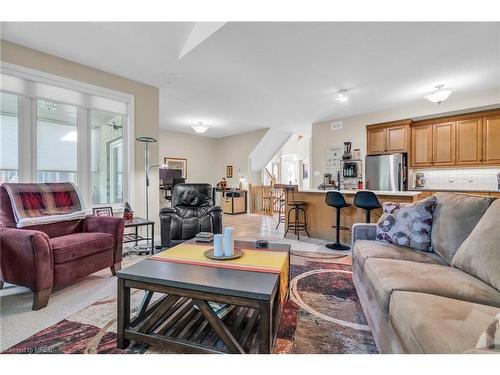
point(192, 211)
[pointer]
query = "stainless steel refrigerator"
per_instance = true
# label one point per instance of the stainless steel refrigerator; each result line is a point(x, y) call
point(386, 172)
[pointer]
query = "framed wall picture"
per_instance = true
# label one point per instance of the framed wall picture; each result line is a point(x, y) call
point(177, 163)
point(229, 171)
point(102, 211)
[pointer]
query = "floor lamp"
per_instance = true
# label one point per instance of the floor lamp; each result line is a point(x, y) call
point(147, 168)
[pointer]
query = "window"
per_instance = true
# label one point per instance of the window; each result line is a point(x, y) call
point(53, 129)
point(9, 130)
point(57, 138)
point(107, 157)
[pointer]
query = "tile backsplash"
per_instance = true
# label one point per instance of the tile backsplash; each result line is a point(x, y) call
point(464, 178)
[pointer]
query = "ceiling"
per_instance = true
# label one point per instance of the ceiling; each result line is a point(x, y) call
point(245, 76)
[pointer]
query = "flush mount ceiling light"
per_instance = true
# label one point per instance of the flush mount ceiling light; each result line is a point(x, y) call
point(200, 128)
point(342, 96)
point(440, 95)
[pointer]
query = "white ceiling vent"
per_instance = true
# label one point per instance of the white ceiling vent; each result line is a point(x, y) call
point(336, 125)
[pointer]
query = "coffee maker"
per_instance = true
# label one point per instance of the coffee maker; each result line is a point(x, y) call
point(347, 151)
point(420, 180)
point(328, 183)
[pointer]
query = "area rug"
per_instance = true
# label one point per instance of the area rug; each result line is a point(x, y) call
point(323, 315)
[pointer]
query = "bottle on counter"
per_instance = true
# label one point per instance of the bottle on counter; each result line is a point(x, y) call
point(360, 184)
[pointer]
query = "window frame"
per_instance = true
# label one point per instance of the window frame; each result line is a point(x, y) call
point(27, 136)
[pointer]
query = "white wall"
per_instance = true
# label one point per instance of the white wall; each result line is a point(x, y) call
point(235, 150)
point(266, 148)
point(199, 151)
point(208, 157)
point(354, 128)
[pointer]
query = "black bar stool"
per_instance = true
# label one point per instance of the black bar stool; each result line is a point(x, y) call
point(281, 212)
point(296, 207)
point(368, 201)
point(337, 200)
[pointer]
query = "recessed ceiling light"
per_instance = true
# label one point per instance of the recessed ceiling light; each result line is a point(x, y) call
point(200, 128)
point(440, 95)
point(342, 96)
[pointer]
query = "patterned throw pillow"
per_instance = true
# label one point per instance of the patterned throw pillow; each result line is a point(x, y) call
point(407, 225)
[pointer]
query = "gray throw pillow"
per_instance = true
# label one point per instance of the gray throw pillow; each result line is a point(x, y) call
point(407, 225)
point(479, 254)
point(455, 216)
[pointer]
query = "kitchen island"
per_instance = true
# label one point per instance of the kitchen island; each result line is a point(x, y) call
point(321, 217)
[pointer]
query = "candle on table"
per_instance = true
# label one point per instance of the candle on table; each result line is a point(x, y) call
point(228, 241)
point(218, 245)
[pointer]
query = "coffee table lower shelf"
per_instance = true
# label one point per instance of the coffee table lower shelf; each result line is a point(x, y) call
point(182, 324)
point(184, 328)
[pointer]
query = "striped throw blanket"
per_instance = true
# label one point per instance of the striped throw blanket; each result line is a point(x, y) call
point(35, 204)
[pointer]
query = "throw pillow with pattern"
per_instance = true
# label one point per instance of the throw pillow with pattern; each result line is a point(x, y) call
point(407, 225)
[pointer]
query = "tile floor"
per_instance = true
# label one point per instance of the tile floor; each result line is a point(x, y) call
point(256, 227)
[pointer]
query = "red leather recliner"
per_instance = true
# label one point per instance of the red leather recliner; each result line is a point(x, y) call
point(44, 257)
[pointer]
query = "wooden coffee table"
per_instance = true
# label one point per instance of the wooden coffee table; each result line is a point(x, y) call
point(182, 321)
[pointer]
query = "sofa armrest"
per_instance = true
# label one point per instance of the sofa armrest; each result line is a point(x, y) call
point(111, 225)
point(165, 223)
point(363, 231)
point(216, 214)
point(167, 211)
point(26, 258)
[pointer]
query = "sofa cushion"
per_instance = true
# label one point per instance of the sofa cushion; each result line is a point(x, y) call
point(432, 324)
point(385, 276)
point(455, 216)
point(365, 249)
point(407, 224)
point(479, 254)
point(79, 245)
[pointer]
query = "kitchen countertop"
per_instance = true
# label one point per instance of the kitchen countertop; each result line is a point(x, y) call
point(377, 192)
point(457, 190)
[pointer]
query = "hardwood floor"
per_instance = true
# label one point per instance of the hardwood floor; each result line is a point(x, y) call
point(252, 227)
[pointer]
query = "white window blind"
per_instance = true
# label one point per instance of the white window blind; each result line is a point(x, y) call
point(32, 89)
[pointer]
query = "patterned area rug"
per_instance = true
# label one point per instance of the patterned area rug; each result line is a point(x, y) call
point(323, 315)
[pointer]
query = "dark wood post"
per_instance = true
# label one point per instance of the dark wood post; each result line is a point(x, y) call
point(123, 314)
point(266, 327)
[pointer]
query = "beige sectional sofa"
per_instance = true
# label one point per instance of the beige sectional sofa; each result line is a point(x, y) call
point(437, 302)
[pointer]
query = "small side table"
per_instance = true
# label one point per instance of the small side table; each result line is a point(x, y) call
point(135, 223)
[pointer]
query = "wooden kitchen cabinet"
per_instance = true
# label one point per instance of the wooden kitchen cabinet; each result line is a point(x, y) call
point(376, 141)
point(433, 145)
point(469, 149)
point(471, 139)
point(421, 146)
point(387, 138)
point(491, 139)
point(397, 138)
point(443, 144)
